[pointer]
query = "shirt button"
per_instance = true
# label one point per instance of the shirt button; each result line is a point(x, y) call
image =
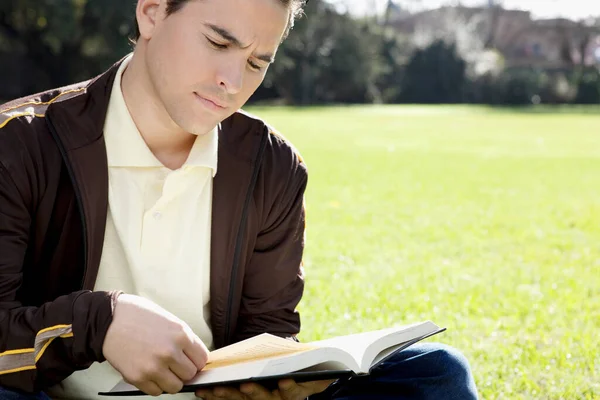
point(157, 215)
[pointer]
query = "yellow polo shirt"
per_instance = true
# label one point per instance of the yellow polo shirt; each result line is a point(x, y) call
point(157, 241)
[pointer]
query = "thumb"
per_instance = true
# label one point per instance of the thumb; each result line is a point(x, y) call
point(197, 352)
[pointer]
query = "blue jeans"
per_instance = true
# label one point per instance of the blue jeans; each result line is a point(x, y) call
point(422, 372)
point(6, 394)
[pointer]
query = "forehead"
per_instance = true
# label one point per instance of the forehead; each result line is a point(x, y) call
point(253, 22)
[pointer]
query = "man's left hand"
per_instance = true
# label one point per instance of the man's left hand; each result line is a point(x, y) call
point(288, 390)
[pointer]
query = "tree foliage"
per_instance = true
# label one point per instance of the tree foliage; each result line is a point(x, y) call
point(48, 43)
point(434, 74)
point(329, 57)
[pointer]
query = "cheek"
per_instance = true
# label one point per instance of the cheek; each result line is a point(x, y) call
point(252, 81)
point(185, 58)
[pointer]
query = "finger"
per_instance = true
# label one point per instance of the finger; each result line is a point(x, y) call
point(255, 392)
point(316, 386)
point(290, 390)
point(207, 395)
point(169, 382)
point(183, 367)
point(228, 393)
point(196, 351)
point(150, 388)
point(204, 394)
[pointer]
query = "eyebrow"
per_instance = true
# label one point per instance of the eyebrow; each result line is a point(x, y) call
point(225, 34)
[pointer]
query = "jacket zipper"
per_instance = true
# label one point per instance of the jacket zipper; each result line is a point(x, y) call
point(240, 237)
point(63, 152)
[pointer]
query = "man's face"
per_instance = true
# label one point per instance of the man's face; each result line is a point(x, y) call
point(209, 57)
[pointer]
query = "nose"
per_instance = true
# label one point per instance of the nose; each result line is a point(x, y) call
point(231, 77)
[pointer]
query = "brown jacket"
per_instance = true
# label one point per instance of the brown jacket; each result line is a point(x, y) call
point(53, 207)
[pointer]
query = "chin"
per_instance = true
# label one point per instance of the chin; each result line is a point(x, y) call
point(197, 126)
point(202, 128)
point(197, 130)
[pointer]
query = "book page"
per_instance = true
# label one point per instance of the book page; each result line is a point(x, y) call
point(355, 345)
point(394, 339)
point(364, 347)
point(257, 348)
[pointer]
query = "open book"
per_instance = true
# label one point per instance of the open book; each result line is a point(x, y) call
point(266, 359)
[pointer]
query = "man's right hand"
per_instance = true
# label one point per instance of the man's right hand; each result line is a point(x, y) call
point(151, 348)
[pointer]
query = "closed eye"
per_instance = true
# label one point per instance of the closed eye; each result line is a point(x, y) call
point(255, 67)
point(216, 45)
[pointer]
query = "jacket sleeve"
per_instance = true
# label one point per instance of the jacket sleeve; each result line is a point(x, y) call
point(274, 281)
point(40, 346)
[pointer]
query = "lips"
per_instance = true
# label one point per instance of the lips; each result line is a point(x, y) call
point(211, 102)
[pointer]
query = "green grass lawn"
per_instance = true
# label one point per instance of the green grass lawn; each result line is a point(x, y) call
point(486, 222)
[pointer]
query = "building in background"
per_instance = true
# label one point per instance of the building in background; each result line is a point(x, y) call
point(521, 40)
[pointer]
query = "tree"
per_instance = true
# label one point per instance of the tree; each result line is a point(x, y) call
point(329, 57)
point(435, 74)
point(395, 52)
point(48, 43)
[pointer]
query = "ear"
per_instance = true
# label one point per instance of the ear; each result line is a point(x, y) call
point(147, 13)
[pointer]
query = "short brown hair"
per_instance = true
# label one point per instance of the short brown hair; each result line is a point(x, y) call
point(295, 6)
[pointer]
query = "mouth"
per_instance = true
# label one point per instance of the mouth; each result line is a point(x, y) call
point(211, 103)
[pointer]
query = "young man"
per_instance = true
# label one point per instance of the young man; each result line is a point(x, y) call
point(146, 221)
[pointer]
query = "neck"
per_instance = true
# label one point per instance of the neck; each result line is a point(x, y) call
point(168, 142)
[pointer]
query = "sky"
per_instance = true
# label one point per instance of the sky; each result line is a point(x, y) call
point(575, 9)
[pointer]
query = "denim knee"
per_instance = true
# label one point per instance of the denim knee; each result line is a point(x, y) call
point(12, 394)
point(429, 360)
point(428, 371)
point(447, 360)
